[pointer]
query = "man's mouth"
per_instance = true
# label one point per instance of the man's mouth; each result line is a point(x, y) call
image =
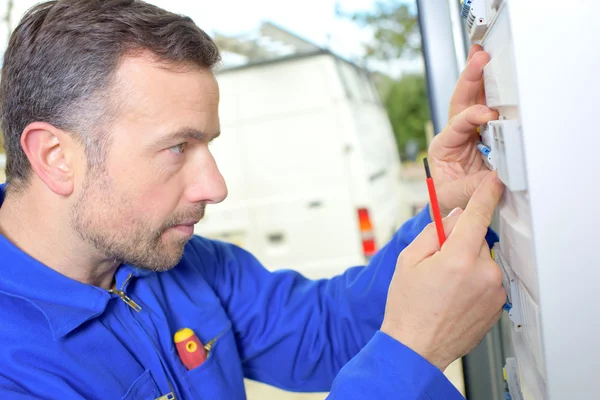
point(186, 227)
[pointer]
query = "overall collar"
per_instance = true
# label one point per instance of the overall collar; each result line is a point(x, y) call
point(65, 302)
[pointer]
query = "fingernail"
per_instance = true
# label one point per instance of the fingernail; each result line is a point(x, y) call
point(456, 211)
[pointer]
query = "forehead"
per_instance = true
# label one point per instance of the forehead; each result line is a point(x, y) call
point(142, 69)
point(163, 97)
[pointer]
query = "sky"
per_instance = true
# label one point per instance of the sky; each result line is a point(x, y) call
point(314, 20)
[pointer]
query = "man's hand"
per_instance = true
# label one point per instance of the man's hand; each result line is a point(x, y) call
point(456, 165)
point(441, 303)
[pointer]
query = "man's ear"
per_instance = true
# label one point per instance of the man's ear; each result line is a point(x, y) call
point(51, 153)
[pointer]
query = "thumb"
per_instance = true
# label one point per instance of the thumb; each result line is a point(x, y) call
point(470, 229)
point(459, 192)
point(427, 243)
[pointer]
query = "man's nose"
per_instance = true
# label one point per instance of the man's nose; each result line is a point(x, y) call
point(208, 184)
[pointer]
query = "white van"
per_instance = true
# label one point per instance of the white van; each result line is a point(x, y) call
point(309, 157)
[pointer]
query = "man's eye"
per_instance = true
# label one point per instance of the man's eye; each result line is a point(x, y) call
point(178, 149)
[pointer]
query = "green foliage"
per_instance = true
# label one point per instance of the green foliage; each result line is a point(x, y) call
point(396, 35)
point(406, 104)
point(395, 29)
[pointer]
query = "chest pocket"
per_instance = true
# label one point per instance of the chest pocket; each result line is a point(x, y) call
point(220, 375)
point(143, 388)
point(195, 305)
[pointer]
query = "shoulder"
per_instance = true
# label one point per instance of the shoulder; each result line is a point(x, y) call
point(211, 258)
point(202, 253)
point(213, 253)
point(217, 261)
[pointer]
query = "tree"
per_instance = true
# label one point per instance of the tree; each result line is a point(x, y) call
point(406, 104)
point(395, 29)
point(396, 35)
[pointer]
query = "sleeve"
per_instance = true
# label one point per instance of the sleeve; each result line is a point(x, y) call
point(297, 334)
point(386, 369)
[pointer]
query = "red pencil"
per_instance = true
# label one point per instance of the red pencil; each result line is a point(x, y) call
point(435, 206)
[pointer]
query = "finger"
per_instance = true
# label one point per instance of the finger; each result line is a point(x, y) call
point(458, 192)
point(469, 85)
point(472, 226)
point(485, 252)
point(474, 49)
point(463, 127)
point(496, 317)
point(427, 242)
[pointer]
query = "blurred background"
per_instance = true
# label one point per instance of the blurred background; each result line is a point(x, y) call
point(325, 120)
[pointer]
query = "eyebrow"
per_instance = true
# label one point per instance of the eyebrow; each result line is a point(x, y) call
point(186, 134)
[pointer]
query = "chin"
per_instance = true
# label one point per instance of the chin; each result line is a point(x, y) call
point(160, 265)
point(153, 251)
point(160, 258)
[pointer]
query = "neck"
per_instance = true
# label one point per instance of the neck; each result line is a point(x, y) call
point(47, 237)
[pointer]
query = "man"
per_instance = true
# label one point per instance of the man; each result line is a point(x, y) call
point(108, 108)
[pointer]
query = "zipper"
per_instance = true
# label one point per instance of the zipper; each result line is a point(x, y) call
point(171, 395)
point(137, 308)
point(209, 345)
point(126, 299)
point(168, 396)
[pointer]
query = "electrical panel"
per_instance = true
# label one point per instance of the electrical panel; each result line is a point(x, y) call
point(501, 146)
point(543, 80)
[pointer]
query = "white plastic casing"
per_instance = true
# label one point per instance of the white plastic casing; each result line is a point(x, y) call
point(511, 286)
point(477, 21)
point(512, 379)
point(503, 137)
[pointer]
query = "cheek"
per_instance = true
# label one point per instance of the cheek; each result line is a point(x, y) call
point(149, 194)
point(153, 201)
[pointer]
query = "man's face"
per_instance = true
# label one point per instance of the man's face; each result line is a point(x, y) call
point(159, 173)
